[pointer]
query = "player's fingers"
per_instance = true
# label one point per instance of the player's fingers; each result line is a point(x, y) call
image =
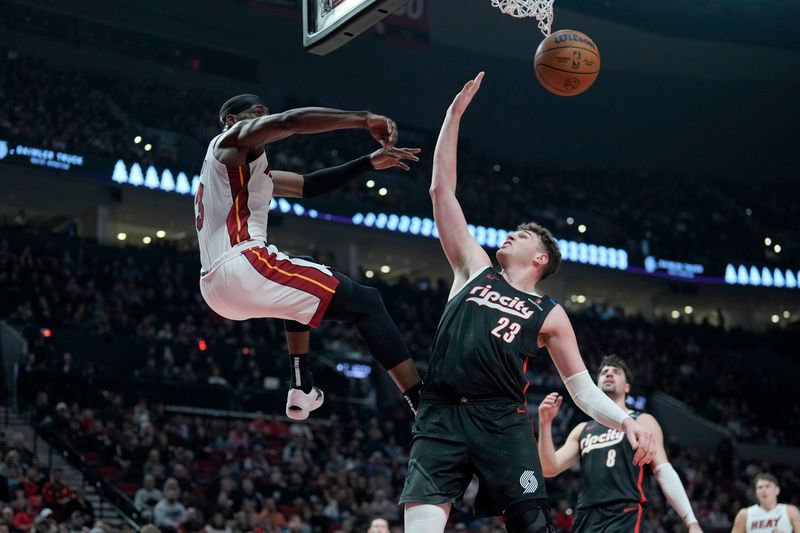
point(478, 80)
point(559, 401)
point(401, 153)
point(402, 165)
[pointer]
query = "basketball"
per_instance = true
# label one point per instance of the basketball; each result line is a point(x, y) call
point(567, 63)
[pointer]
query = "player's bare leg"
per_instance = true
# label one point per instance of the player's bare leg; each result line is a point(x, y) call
point(303, 396)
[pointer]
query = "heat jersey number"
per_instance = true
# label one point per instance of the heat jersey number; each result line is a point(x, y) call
point(611, 458)
point(510, 333)
point(201, 211)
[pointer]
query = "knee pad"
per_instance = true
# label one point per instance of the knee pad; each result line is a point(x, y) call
point(530, 516)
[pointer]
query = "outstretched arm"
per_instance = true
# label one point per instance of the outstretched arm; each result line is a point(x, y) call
point(323, 181)
point(559, 338)
point(667, 478)
point(556, 461)
point(464, 254)
point(257, 132)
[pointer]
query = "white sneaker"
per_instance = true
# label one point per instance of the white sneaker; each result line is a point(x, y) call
point(299, 404)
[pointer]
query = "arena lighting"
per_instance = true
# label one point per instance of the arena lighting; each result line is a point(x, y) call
point(775, 319)
point(370, 184)
point(147, 239)
point(369, 274)
point(148, 147)
point(137, 139)
point(202, 346)
point(767, 241)
point(675, 313)
point(786, 314)
point(122, 236)
point(161, 234)
point(386, 269)
point(571, 251)
point(688, 309)
point(754, 276)
point(354, 370)
point(47, 333)
point(383, 191)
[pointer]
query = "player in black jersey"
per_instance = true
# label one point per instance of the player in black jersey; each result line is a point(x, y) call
point(611, 496)
point(472, 418)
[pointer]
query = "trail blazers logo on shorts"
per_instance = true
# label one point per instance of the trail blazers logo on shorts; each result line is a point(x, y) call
point(529, 482)
point(486, 297)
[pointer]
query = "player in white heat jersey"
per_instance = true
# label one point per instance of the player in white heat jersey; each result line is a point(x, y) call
point(767, 516)
point(244, 277)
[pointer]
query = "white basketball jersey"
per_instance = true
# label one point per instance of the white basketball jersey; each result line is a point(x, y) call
point(231, 205)
point(759, 520)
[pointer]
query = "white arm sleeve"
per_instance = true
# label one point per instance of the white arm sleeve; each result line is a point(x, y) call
point(673, 489)
point(592, 401)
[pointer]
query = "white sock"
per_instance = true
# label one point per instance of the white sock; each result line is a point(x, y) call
point(426, 518)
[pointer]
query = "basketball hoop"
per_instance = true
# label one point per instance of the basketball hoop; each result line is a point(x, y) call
point(541, 9)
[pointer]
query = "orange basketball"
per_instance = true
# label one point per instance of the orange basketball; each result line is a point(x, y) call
point(567, 63)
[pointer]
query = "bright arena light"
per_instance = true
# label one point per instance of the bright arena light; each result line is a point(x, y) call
point(767, 241)
point(147, 239)
point(675, 313)
point(570, 221)
point(369, 274)
point(383, 191)
point(122, 236)
point(161, 234)
point(148, 147)
point(370, 184)
point(786, 314)
point(386, 269)
point(137, 139)
point(581, 299)
point(775, 319)
point(582, 228)
point(777, 248)
point(688, 309)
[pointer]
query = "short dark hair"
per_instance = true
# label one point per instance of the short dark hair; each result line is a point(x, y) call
point(617, 362)
point(766, 476)
point(550, 247)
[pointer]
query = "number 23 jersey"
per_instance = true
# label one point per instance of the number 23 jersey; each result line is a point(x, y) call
point(486, 333)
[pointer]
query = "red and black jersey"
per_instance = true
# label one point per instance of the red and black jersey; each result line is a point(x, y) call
point(607, 471)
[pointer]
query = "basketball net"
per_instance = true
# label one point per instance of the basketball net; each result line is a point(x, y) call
point(541, 9)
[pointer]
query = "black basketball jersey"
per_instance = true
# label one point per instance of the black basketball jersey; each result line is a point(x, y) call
point(486, 333)
point(607, 471)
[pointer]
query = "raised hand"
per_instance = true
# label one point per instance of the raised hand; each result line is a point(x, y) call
point(463, 98)
point(641, 440)
point(549, 407)
point(393, 157)
point(383, 129)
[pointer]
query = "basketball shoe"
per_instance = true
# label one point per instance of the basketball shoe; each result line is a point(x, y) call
point(299, 404)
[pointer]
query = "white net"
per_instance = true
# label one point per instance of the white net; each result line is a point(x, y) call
point(541, 9)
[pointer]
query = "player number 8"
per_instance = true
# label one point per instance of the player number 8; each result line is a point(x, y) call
point(611, 458)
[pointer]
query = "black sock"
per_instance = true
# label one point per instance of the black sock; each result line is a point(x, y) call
point(301, 378)
point(412, 397)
